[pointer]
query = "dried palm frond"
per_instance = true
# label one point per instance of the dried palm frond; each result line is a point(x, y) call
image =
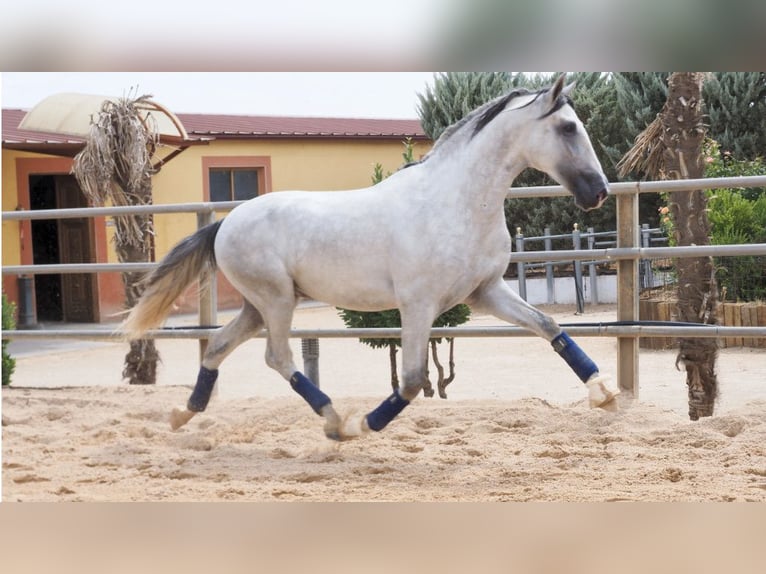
point(645, 157)
point(115, 165)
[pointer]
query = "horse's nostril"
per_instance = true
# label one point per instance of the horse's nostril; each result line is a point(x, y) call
point(602, 195)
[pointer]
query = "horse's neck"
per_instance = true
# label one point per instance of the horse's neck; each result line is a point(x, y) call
point(478, 177)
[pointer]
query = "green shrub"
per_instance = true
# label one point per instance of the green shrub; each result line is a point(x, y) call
point(737, 216)
point(9, 322)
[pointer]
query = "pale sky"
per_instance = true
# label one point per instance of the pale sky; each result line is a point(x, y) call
point(327, 94)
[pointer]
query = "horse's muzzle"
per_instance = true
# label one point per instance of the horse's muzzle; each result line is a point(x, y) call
point(598, 201)
point(590, 188)
point(601, 197)
point(590, 201)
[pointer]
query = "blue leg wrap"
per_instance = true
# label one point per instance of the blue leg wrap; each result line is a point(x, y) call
point(202, 390)
point(574, 356)
point(309, 391)
point(386, 412)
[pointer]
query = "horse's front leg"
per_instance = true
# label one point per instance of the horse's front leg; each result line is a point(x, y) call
point(416, 326)
point(501, 301)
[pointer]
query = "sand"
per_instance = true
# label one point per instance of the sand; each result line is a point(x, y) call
point(516, 427)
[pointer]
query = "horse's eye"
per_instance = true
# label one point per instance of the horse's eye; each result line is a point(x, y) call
point(569, 128)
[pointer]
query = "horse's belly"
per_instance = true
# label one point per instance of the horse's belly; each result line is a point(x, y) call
point(360, 289)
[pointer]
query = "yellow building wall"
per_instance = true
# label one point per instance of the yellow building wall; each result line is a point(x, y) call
point(296, 164)
point(302, 164)
point(11, 241)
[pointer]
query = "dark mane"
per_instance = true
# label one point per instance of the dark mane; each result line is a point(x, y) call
point(490, 113)
point(483, 115)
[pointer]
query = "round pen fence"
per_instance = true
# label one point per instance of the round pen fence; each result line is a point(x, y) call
point(629, 252)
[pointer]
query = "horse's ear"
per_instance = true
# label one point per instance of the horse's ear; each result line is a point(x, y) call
point(552, 95)
point(568, 88)
point(557, 88)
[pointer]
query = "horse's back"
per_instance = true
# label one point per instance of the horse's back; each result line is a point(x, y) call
point(329, 246)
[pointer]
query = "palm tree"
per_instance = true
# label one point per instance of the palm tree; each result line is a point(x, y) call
point(115, 167)
point(671, 148)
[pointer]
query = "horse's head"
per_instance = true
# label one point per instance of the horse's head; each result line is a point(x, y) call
point(558, 145)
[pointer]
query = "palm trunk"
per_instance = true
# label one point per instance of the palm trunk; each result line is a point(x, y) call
point(141, 360)
point(683, 135)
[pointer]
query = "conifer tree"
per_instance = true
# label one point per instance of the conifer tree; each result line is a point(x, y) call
point(736, 110)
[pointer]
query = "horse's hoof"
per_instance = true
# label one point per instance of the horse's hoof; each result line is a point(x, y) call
point(345, 430)
point(334, 435)
point(600, 395)
point(179, 417)
point(338, 435)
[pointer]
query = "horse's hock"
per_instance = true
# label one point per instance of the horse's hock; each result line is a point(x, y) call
point(730, 314)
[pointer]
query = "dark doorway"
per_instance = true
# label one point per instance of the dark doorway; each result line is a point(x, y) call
point(61, 297)
point(45, 248)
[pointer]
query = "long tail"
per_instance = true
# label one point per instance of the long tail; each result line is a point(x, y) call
point(179, 269)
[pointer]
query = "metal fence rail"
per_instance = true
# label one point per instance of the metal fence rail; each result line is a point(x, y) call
point(593, 241)
point(563, 255)
point(645, 329)
point(632, 188)
point(627, 255)
point(79, 212)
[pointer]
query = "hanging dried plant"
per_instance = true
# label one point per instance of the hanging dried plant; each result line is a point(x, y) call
point(645, 157)
point(115, 166)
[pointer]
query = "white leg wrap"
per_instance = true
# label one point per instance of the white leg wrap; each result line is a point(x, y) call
point(601, 393)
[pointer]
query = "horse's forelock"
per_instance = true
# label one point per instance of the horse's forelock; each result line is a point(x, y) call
point(563, 100)
point(498, 106)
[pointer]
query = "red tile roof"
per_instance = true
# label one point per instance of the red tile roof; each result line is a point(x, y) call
point(13, 135)
point(277, 126)
point(239, 127)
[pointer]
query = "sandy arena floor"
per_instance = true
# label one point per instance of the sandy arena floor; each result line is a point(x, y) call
point(515, 427)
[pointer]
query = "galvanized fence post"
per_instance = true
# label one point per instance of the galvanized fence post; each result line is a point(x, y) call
point(647, 277)
point(578, 271)
point(549, 281)
point(592, 268)
point(520, 265)
point(310, 348)
point(27, 310)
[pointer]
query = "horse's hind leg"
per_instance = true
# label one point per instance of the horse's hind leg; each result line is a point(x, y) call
point(278, 315)
point(501, 301)
point(244, 326)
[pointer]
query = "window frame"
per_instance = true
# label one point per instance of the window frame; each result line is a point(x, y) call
point(261, 165)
